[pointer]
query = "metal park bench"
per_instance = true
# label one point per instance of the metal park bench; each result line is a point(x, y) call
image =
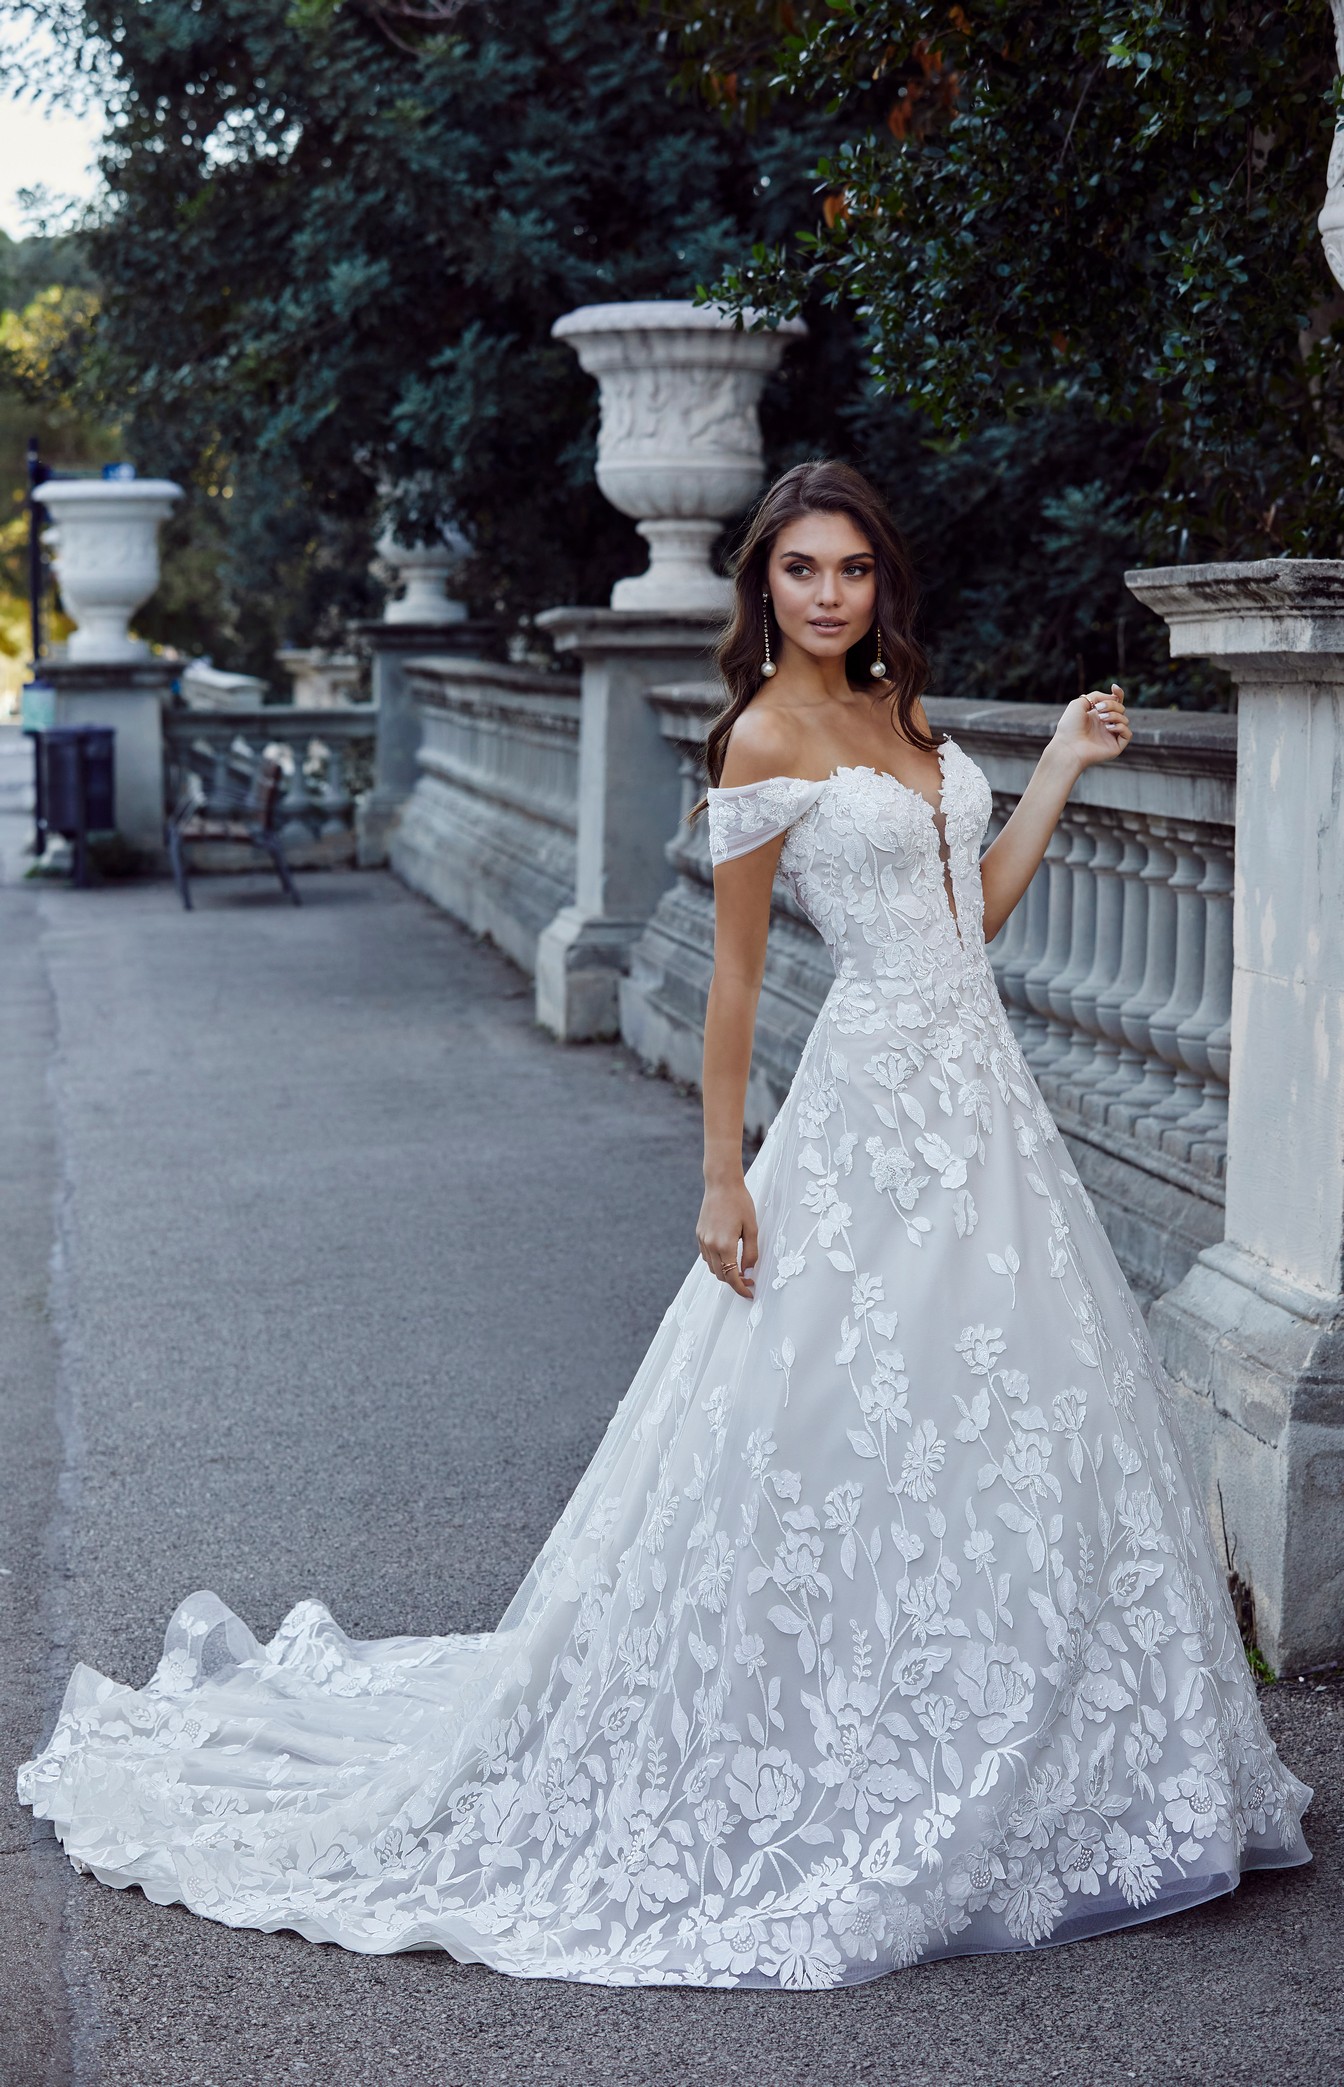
point(228, 794)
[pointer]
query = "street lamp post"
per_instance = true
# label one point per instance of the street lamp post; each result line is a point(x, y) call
point(38, 474)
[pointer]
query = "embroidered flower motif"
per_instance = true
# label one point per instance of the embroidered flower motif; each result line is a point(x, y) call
point(1198, 1802)
point(859, 1922)
point(921, 1463)
point(1132, 1866)
point(1082, 1857)
point(856, 1757)
point(998, 1687)
point(1030, 1899)
point(767, 1784)
point(1049, 1796)
point(715, 1577)
point(801, 1955)
point(981, 1346)
point(883, 1398)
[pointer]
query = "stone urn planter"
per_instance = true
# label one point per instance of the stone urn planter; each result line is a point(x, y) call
point(426, 570)
point(1330, 223)
point(679, 448)
point(106, 543)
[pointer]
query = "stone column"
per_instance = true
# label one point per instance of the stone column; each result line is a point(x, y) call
point(629, 804)
point(1253, 1337)
point(320, 680)
point(393, 646)
point(423, 622)
point(107, 564)
point(679, 449)
point(128, 695)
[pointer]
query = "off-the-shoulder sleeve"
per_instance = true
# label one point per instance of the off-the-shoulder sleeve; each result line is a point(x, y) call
point(750, 814)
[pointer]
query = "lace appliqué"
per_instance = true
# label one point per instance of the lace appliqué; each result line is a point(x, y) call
point(746, 817)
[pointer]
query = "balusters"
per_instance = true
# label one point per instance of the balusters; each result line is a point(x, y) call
point(1048, 1039)
point(1154, 1084)
point(335, 796)
point(1083, 915)
point(1115, 970)
point(317, 804)
point(1120, 1064)
point(1186, 985)
point(296, 806)
point(1010, 940)
point(1204, 1036)
point(219, 779)
point(1089, 1062)
point(1033, 912)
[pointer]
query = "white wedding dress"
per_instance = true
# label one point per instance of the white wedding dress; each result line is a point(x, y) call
point(885, 1623)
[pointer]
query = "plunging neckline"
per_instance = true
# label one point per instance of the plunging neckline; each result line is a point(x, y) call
point(937, 813)
point(937, 816)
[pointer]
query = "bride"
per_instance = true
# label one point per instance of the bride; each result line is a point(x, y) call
point(885, 1623)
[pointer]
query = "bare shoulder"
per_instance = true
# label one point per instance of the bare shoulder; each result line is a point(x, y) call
point(763, 742)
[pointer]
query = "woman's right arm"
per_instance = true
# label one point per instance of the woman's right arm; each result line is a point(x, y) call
point(742, 890)
point(761, 744)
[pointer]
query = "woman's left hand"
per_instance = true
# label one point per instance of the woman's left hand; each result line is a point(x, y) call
point(1094, 727)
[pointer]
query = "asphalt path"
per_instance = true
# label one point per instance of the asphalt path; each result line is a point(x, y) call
point(321, 1270)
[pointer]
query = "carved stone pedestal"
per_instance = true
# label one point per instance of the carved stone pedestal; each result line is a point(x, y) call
point(1254, 1334)
point(628, 805)
point(128, 695)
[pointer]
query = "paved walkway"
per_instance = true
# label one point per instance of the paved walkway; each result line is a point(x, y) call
point(320, 1269)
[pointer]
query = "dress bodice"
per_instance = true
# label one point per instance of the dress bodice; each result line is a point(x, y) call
point(869, 861)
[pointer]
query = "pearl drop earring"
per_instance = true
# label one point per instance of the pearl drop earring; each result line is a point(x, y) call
point(769, 669)
point(878, 669)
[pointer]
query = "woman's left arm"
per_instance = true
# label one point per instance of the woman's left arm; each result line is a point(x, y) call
point(1093, 728)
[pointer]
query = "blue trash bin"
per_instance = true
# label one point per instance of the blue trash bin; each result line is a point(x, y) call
point(75, 787)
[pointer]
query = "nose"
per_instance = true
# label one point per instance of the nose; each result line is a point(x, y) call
point(828, 589)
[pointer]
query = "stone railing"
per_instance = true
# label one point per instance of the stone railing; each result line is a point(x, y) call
point(1115, 968)
point(329, 755)
point(488, 832)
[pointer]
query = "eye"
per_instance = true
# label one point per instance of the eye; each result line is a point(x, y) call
point(797, 571)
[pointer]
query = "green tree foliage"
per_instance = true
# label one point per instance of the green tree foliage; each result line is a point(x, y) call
point(329, 262)
point(46, 291)
point(1059, 265)
point(1023, 530)
point(1111, 203)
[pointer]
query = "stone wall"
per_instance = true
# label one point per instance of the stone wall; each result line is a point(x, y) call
point(488, 832)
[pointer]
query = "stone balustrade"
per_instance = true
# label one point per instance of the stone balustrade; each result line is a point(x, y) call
point(329, 754)
point(489, 830)
point(1115, 968)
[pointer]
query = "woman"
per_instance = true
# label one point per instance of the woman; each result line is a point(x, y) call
point(885, 1623)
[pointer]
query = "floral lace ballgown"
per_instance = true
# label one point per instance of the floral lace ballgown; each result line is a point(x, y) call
point(885, 1623)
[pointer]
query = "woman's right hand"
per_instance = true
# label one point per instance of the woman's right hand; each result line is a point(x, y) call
point(727, 1220)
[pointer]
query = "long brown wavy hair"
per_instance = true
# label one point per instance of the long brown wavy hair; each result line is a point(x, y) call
point(820, 487)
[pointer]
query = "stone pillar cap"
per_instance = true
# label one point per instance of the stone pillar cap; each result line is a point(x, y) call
point(666, 315)
point(632, 630)
point(105, 492)
point(1284, 614)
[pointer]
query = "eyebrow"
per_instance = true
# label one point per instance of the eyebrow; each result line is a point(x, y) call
point(852, 559)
